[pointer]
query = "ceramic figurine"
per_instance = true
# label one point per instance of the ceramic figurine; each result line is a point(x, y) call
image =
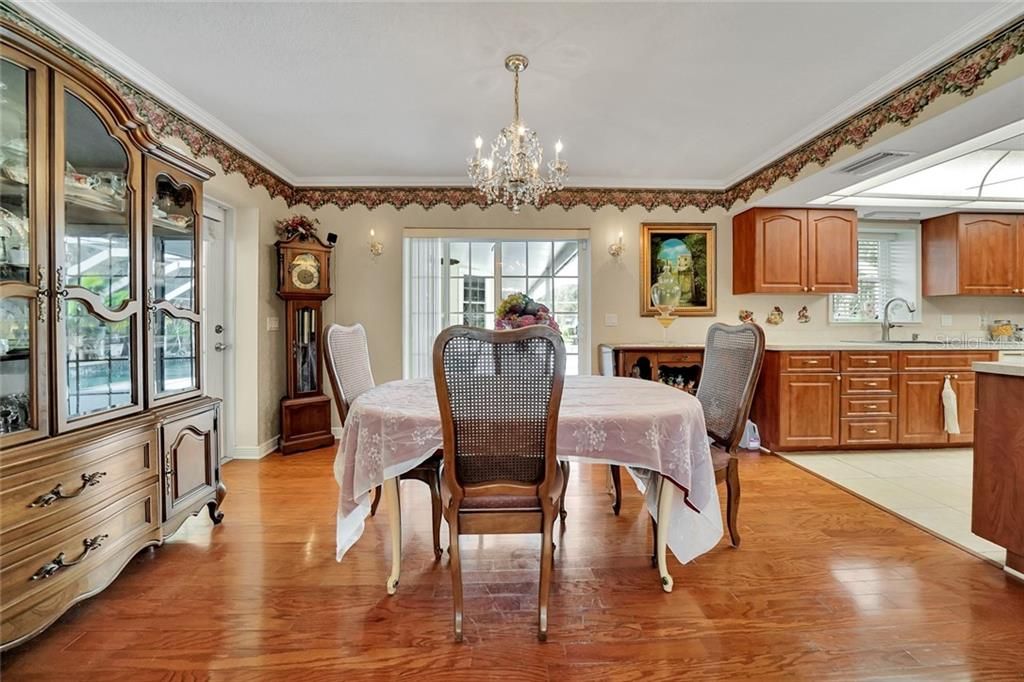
point(747, 316)
point(775, 316)
point(803, 316)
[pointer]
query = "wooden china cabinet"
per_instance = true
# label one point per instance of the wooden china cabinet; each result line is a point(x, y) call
point(304, 282)
point(107, 442)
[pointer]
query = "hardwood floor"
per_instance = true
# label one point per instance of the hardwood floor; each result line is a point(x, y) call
point(825, 586)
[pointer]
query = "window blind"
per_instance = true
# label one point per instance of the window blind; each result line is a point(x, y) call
point(886, 268)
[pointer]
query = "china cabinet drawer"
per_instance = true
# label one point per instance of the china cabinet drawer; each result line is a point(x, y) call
point(810, 362)
point(66, 483)
point(940, 361)
point(868, 432)
point(854, 384)
point(884, 406)
point(73, 552)
point(868, 361)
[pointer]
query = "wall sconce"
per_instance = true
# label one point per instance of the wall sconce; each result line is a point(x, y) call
point(616, 249)
point(376, 245)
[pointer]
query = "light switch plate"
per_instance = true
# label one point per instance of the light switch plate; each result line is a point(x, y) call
point(273, 324)
point(611, 320)
point(945, 320)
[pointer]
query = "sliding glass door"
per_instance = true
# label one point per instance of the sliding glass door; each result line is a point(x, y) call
point(451, 281)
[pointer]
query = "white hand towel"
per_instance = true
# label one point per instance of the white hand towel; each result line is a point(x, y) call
point(949, 408)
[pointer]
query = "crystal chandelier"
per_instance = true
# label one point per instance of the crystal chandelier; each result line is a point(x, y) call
point(512, 173)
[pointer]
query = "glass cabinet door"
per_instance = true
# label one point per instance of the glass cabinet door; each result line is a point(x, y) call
point(174, 240)
point(24, 303)
point(305, 355)
point(97, 254)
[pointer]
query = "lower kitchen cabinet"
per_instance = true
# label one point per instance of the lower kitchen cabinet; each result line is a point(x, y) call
point(809, 410)
point(879, 399)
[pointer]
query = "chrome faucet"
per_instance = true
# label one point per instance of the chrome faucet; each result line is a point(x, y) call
point(886, 324)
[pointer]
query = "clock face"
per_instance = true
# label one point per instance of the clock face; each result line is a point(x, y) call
point(305, 269)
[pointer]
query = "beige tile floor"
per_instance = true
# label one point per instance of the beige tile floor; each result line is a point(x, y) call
point(929, 488)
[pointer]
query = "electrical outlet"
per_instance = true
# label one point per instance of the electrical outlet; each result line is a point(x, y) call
point(611, 320)
point(273, 324)
point(945, 320)
point(983, 321)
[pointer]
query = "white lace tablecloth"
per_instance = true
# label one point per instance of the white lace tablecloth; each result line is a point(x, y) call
point(640, 424)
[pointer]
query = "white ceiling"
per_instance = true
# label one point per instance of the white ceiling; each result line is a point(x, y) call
point(660, 95)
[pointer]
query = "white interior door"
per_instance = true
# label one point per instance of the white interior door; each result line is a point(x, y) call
point(218, 357)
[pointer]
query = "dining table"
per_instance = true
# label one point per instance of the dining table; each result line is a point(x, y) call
point(654, 430)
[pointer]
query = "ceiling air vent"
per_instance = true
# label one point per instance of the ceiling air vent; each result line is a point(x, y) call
point(873, 162)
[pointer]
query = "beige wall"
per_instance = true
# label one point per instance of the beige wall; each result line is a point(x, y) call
point(370, 291)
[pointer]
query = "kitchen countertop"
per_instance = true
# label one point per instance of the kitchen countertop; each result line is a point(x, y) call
point(1010, 366)
point(954, 344)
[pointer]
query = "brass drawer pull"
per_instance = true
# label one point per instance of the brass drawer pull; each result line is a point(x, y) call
point(872, 431)
point(872, 383)
point(871, 362)
point(811, 362)
point(48, 569)
point(88, 480)
point(872, 407)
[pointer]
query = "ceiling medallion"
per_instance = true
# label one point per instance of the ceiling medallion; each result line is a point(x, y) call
point(512, 173)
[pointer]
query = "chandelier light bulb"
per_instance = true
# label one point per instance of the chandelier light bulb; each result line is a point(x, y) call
point(479, 142)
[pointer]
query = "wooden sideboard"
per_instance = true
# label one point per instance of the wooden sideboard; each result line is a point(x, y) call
point(107, 441)
point(677, 365)
point(850, 399)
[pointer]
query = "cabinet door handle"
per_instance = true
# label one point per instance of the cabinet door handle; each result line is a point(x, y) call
point(812, 288)
point(88, 480)
point(50, 568)
point(839, 377)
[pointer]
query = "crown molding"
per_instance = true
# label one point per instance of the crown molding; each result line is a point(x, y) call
point(463, 181)
point(117, 61)
point(961, 74)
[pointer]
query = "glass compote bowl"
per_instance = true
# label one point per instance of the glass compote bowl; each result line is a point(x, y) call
point(665, 295)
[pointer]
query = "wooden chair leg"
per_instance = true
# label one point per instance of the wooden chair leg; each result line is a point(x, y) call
point(456, 568)
point(435, 508)
point(732, 504)
point(376, 502)
point(547, 561)
point(561, 500)
point(617, 484)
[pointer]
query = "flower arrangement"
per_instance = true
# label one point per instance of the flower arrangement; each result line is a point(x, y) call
point(519, 310)
point(297, 225)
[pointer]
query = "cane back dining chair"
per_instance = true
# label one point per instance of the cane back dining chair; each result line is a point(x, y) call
point(499, 393)
point(347, 357)
point(732, 365)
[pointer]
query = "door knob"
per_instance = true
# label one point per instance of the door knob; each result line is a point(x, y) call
point(221, 347)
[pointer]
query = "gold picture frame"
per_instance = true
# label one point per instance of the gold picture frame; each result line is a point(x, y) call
point(692, 260)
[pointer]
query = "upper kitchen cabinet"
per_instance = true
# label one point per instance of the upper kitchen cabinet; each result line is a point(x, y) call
point(975, 254)
point(794, 251)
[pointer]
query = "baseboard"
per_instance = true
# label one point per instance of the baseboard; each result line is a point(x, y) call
point(256, 452)
point(336, 430)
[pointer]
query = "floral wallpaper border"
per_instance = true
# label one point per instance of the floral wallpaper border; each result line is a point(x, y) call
point(961, 74)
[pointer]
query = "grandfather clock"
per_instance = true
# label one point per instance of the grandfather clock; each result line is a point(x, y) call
point(304, 282)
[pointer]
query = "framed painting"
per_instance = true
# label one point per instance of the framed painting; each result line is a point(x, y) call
point(686, 251)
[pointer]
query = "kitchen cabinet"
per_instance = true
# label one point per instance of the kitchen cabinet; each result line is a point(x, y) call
point(878, 399)
point(973, 254)
point(793, 251)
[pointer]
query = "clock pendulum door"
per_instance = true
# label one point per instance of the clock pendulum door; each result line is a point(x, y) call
point(305, 411)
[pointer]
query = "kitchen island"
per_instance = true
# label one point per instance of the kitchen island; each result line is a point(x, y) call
point(997, 507)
